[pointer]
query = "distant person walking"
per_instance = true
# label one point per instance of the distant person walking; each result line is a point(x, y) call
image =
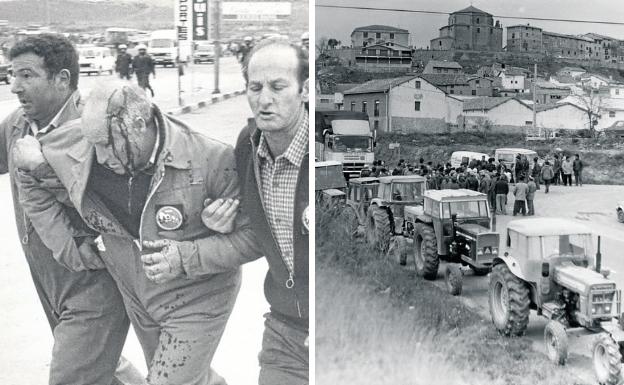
point(532, 187)
point(143, 66)
point(556, 170)
point(577, 167)
point(547, 175)
point(520, 194)
point(567, 169)
point(502, 189)
point(535, 173)
point(123, 62)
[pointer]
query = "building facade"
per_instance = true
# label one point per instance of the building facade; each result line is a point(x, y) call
point(379, 34)
point(379, 58)
point(524, 38)
point(470, 29)
point(443, 67)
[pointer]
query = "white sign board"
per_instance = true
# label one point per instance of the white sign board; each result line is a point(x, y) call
point(255, 11)
point(392, 146)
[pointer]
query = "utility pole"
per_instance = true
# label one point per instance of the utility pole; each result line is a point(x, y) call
point(179, 63)
point(534, 96)
point(217, 42)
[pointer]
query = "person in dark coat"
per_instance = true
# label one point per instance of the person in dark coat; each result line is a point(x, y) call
point(536, 172)
point(577, 167)
point(143, 65)
point(123, 63)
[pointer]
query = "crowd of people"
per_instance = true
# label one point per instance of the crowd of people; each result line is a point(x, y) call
point(521, 178)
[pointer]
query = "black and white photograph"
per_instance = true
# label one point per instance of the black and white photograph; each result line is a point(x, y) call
point(154, 166)
point(469, 191)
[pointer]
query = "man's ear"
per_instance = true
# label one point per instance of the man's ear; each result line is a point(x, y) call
point(305, 91)
point(63, 78)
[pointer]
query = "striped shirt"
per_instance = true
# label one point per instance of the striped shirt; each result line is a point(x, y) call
point(279, 182)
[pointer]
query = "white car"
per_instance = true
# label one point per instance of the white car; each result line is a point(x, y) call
point(620, 211)
point(96, 60)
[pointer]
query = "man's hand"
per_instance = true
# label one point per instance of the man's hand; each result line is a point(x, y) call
point(27, 153)
point(164, 265)
point(90, 258)
point(219, 215)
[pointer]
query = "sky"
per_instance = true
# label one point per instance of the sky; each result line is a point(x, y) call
point(339, 23)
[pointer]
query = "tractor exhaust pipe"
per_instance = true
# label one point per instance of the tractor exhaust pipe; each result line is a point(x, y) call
point(598, 257)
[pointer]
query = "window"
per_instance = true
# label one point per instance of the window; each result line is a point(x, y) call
point(474, 92)
point(513, 35)
point(477, 81)
point(352, 106)
point(478, 29)
point(612, 114)
point(439, 42)
point(324, 100)
point(364, 107)
point(376, 110)
point(378, 35)
point(391, 36)
point(477, 23)
point(528, 122)
point(376, 124)
point(365, 34)
point(416, 106)
point(617, 91)
point(491, 31)
point(417, 84)
point(451, 91)
point(527, 35)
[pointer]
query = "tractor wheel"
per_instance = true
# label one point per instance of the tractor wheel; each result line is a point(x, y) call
point(396, 252)
point(378, 231)
point(508, 298)
point(480, 271)
point(426, 256)
point(620, 214)
point(348, 218)
point(556, 340)
point(606, 359)
point(454, 279)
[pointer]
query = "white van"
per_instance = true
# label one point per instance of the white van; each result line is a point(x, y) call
point(95, 59)
point(163, 47)
point(507, 157)
point(464, 157)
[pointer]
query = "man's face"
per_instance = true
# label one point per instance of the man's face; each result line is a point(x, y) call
point(274, 93)
point(39, 96)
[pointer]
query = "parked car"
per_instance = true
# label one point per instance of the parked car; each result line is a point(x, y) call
point(6, 70)
point(95, 59)
point(204, 54)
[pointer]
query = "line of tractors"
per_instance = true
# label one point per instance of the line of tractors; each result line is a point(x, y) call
point(544, 264)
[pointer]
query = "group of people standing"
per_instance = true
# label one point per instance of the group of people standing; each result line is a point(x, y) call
point(126, 215)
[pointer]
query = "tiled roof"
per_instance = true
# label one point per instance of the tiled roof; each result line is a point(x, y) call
point(471, 9)
point(378, 85)
point(384, 28)
point(445, 64)
point(486, 103)
point(445, 79)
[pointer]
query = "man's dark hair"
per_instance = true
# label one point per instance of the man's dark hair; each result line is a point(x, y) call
point(57, 51)
point(302, 57)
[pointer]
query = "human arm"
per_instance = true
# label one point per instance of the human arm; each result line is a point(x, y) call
point(46, 203)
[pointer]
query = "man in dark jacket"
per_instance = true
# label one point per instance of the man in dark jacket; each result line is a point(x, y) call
point(577, 167)
point(536, 172)
point(123, 62)
point(272, 162)
point(556, 170)
point(143, 65)
point(502, 189)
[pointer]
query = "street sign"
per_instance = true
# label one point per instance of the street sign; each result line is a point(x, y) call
point(200, 20)
point(182, 13)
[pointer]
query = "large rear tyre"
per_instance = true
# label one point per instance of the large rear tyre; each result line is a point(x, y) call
point(556, 340)
point(508, 299)
point(453, 278)
point(606, 359)
point(480, 271)
point(426, 256)
point(378, 230)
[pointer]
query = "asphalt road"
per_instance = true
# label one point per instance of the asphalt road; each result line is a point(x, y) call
point(591, 205)
point(196, 84)
point(25, 338)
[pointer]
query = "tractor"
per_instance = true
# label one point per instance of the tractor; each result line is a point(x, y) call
point(548, 267)
point(455, 226)
point(388, 228)
point(360, 193)
point(329, 184)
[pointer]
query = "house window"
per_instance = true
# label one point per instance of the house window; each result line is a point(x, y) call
point(477, 22)
point(391, 36)
point(612, 114)
point(352, 106)
point(439, 42)
point(364, 106)
point(477, 81)
point(376, 110)
point(376, 124)
point(617, 91)
point(474, 92)
point(513, 35)
point(378, 35)
point(451, 91)
point(417, 84)
point(528, 123)
point(478, 29)
point(365, 34)
point(491, 31)
point(416, 106)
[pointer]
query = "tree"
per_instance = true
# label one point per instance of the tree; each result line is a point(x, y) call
point(332, 43)
point(593, 107)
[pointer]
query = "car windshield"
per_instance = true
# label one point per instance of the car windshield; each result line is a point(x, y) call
point(88, 52)
point(506, 157)
point(465, 209)
point(161, 43)
point(407, 191)
point(352, 143)
point(576, 245)
point(205, 48)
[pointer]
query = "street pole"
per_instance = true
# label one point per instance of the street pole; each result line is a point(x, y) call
point(534, 96)
point(217, 42)
point(179, 64)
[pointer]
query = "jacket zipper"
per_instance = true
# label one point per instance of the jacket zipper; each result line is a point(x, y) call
point(290, 282)
point(161, 175)
point(130, 195)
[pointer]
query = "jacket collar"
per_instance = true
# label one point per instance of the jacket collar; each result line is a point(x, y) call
point(175, 145)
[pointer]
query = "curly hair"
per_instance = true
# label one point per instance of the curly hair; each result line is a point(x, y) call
point(57, 51)
point(301, 53)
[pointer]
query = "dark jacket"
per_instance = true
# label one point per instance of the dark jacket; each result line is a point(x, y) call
point(143, 65)
point(123, 63)
point(291, 304)
point(577, 165)
point(502, 187)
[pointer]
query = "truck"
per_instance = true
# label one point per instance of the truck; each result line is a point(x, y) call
point(163, 47)
point(346, 137)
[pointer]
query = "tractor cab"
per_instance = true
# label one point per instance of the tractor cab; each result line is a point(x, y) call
point(360, 193)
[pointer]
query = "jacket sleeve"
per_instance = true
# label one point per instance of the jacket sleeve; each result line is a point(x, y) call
point(46, 203)
point(222, 252)
point(5, 128)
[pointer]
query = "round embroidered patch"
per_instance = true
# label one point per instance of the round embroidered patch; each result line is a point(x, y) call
point(306, 219)
point(169, 218)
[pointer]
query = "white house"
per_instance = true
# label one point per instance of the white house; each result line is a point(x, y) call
point(513, 79)
point(562, 116)
point(505, 114)
point(595, 81)
point(571, 71)
point(616, 91)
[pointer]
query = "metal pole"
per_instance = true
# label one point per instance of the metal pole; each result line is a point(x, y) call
point(179, 64)
point(534, 96)
point(217, 42)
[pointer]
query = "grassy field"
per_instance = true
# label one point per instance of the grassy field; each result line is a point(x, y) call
point(379, 324)
point(603, 158)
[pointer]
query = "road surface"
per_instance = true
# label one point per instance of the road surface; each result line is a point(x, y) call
point(25, 338)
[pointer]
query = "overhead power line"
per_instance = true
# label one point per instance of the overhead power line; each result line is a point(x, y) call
point(456, 13)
